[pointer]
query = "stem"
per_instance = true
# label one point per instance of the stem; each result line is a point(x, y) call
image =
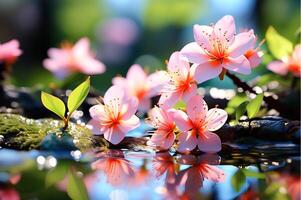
point(66, 122)
point(269, 100)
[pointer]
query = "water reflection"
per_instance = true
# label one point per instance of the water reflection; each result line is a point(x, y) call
point(176, 177)
point(124, 174)
point(185, 183)
point(114, 166)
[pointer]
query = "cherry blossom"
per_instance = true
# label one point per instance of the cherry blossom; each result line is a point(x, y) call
point(217, 49)
point(181, 83)
point(138, 84)
point(288, 64)
point(69, 59)
point(197, 124)
point(162, 120)
point(9, 52)
point(254, 55)
point(116, 116)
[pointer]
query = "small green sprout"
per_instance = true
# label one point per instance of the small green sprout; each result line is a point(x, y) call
point(75, 99)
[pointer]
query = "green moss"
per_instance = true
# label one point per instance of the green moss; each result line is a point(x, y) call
point(22, 133)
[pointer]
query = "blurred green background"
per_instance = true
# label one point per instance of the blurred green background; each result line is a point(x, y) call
point(124, 32)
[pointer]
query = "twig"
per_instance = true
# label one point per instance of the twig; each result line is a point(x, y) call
point(270, 101)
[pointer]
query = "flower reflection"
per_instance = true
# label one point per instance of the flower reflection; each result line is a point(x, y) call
point(187, 182)
point(142, 175)
point(9, 194)
point(116, 168)
point(165, 163)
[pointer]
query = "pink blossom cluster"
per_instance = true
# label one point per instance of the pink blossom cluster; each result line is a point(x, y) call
point(216, 49)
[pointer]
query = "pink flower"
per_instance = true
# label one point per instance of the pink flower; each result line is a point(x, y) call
point(116, 116)
point(162, 120)
point(197, 124)
point(181, 83)
point(78, 58)
point(114, 166)
point(253, 54)
point(217, 49)
point(141, 86)
point(9, 52)
point(288, 64)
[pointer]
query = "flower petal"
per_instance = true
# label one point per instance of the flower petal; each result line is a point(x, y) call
point(224, 29)
point(194, 53)
point(202, 36)
point(255, 59)
point(190, 92)
point(181, 120)
point(187, 141)
point(156, 81)
point(169, 99)
point(162, 139)
point(211, 143)
point(95, 127)
point(89, 65)
point(215, 119)
point(136, 74)
point(177, 64)
point(81, 48)
point(118, 80)
point(278, 67)
point(129, 107)
point(239, 64)
point(205, 71)
point(98, 113)
point(196, 108)
point(130, 124)
point(114, 98)
point(114, 135)
point(242, 43)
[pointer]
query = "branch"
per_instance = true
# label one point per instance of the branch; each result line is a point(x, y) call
point(269, 100)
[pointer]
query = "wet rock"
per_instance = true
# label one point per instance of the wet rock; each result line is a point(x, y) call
point(24, 134)
point(266, 128)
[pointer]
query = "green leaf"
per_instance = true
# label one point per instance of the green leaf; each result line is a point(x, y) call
point(78, 95)
point(55, 175)
point(238, 180)
point(235, 102)
point(254, 106)
point(53, 104)
point(76, 189)
point(180, 105)
point(278, 45)
point(254, 174)
point(241, 109)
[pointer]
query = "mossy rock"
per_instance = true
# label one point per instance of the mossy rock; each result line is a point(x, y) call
point(18, 132)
